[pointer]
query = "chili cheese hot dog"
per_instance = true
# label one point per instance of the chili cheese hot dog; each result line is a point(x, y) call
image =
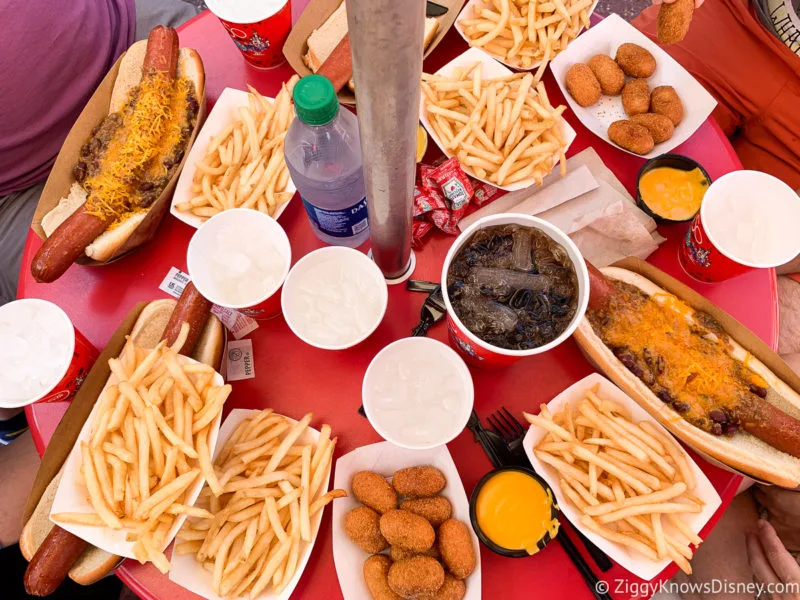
point(682, 366)
point(130, 157)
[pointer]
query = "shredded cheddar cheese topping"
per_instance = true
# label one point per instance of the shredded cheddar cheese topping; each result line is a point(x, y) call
point(690, 359)
point(151, 125)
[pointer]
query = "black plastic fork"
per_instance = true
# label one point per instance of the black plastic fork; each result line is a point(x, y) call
point(513, 432)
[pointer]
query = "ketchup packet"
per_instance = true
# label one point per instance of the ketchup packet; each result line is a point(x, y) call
point(444, 194)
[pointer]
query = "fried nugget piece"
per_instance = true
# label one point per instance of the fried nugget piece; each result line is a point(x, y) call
point(374, 491)
point(418, 482)
point(416, 576)
point(636, 97)
point(452, 589)
point(362, 526)
point(457, 549)
point(608, 74)
point(674, 20)
point(665, 101)
point(399, 553)
point(635, 61)
point(659, 126)
point(436, 509)
point(376, 576)
point(582, 85)
point(631, 136)
point(407, 530)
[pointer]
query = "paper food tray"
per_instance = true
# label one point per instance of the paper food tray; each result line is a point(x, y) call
point(490, 69)
point(225, 112)
point(189, 573)
point(386, 458)
point(71, 496)
point(467, 13)
point(634, 562)
point(605, 38)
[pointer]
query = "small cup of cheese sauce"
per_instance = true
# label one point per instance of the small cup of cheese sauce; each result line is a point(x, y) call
point(513, 512)
point(670, 188)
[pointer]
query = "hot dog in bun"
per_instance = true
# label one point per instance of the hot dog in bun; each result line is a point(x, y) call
point(130, 157)
point(692, 375)
point(54, 553)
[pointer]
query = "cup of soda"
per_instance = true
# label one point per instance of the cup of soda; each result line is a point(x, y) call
point(514, 286)
point(239, 259)
point(259, 28)
point(43, 357)
point(748, 220)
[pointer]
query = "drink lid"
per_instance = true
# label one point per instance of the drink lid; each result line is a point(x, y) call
point(315, 100)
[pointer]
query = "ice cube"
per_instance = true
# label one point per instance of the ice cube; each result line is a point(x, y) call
point(481, 315)
point(521, 253)
point(502, 280)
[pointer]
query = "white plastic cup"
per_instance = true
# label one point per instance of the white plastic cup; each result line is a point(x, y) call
point(383, 371)
point(334, 256)
point(252, 230)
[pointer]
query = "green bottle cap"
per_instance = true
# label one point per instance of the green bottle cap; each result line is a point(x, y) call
point(315, 100)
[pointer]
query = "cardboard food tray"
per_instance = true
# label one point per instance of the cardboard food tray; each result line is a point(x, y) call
point(636, 563)
point(604, 38)
point(468, 13)
point(318, 11)
point(190, 574)
point(61, 178)
point(386, 458)
point(68, 429)
point(746, 338)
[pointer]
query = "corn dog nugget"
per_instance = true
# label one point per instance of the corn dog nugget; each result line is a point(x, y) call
point(674, 20)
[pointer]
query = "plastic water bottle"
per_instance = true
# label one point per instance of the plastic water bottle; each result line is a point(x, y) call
point(323, 153)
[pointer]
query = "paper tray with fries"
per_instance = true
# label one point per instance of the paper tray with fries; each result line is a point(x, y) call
point(188, 572)
point(534, 137)
point(108, 445)
point(699, 489)
point(258, 184)
point(526, 42)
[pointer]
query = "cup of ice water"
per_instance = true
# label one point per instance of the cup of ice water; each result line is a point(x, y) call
point(259, 28)
point(43, 357)
point(239, 259)
point(748, 220)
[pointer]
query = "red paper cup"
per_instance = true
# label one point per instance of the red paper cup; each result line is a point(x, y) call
point(748, 220)
point(24, 324)
point(474, 350)
point(236, 241)
point(259, 28)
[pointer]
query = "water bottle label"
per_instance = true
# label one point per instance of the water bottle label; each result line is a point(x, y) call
point(343, 222)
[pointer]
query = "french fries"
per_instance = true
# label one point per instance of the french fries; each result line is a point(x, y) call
point(631, 483)
point(139, 462)
point(244, 166)
point(502, 130)
point(524, 33)
point(260, 499)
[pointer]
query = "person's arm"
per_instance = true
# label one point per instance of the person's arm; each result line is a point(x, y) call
point(771, 561)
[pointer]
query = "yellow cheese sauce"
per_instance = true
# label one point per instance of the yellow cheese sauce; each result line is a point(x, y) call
point(672, 193)
point(514, 511)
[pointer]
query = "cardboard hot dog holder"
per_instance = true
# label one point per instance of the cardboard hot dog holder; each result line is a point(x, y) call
point(61, 178)
point(746, 338)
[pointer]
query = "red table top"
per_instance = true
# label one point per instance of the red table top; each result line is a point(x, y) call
point(97, 299)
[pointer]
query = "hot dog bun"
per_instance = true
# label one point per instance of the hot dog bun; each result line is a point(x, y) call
point(742, 451)
point(129, 76)
point(148, 330)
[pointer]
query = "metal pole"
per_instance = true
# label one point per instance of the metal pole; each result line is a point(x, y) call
point(386, 44)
